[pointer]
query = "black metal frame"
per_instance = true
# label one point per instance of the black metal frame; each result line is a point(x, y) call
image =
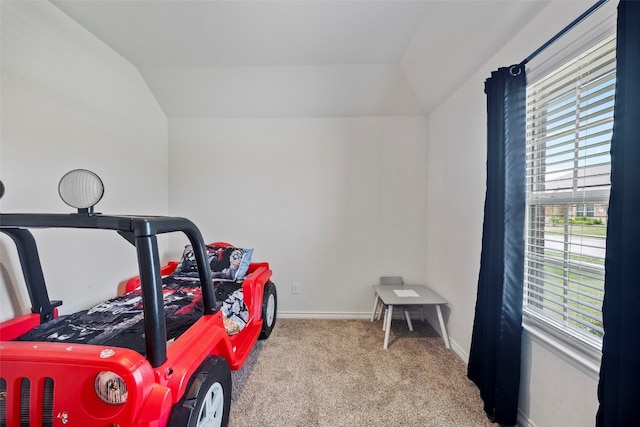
point(141, 231)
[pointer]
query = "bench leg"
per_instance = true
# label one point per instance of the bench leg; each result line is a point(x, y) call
point(406, 314)
point(445, 336)
point(387, 319)
point(375, 308)
point(384, 321)
point(379, 310)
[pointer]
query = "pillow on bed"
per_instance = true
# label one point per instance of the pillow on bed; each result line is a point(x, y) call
point(244, 263)
point(226, 263)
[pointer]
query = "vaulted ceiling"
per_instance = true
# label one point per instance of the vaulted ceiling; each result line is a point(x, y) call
point(302, 58)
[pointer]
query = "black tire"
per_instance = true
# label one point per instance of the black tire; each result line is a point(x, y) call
point(269, 310)
point(201, 405)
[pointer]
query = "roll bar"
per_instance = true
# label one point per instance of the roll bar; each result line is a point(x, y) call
point(141, 231)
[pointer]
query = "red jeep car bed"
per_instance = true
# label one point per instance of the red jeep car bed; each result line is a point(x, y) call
point(158, 355)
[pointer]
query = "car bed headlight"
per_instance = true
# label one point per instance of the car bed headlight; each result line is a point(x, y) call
point(81, 189)
point(110, 388)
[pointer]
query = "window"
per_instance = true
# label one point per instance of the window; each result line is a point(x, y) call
point(587, 210)
point(569, 129)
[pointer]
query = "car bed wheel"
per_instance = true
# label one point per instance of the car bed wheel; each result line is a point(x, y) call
point(208, 398)
point(269, 309)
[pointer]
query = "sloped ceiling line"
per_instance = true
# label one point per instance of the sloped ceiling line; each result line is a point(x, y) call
point(301, 58)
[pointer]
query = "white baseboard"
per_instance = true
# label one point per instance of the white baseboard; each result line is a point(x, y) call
point(523, 421)
point(462, 354)
point(348, 315)
point(339, 315)
point(322, 315)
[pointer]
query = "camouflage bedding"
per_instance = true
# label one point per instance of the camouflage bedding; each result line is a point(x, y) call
point(119, 321)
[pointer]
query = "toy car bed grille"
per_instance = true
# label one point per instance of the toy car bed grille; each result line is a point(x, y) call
point(27, 389)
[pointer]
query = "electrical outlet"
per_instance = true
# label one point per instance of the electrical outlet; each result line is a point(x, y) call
point(295, 288)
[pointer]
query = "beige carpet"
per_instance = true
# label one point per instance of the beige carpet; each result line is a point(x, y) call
point(335, 373)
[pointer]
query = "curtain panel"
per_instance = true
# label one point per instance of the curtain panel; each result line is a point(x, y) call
point(618, 389)
point(494, 360)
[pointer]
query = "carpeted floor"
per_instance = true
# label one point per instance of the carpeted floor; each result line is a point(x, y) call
point(335, 373)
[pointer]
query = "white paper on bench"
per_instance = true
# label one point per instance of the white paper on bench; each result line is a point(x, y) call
point(406, 293)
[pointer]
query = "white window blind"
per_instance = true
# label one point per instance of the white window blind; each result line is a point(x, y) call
point(569, 129)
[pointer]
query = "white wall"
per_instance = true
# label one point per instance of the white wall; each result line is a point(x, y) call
point(69, 101)
point(330, 203)
point(456, 189)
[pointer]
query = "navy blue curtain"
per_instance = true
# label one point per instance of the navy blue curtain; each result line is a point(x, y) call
point(494, 359)
point(619, 387)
